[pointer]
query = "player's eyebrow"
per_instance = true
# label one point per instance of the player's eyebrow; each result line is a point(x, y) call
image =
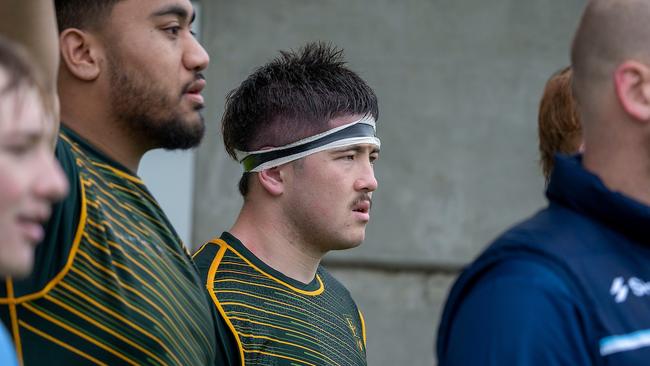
point(176, 10)
point(355, 148)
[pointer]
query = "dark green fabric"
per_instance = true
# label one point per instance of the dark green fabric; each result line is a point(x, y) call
point(280, 321)
point(227, 351)
point(131, 294)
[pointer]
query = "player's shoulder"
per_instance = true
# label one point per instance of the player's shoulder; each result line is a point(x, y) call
point(332, 284)
point(205, 255)
point(65, 155)
point(522, 274)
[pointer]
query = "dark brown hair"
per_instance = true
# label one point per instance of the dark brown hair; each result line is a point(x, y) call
point(82, 14)
point(292, 97)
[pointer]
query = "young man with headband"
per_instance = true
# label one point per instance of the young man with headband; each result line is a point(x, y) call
point(303, 128)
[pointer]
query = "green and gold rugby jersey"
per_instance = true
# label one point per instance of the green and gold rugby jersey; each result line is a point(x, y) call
point(112, 284)
point(276, 320)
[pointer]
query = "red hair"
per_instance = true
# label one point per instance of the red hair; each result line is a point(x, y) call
point(558, 122)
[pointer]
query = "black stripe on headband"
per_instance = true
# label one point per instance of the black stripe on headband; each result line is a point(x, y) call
point(356, 130)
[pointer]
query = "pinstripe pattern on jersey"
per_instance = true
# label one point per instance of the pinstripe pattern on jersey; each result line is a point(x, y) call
point(277, 324)
point(129, 294)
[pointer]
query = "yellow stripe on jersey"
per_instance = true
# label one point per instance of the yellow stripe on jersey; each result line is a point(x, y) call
point(274, 321)
point(128, 292)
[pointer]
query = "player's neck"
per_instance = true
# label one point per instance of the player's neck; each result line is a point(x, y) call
point(623, 168)
point(107, 137)
point(274, 244)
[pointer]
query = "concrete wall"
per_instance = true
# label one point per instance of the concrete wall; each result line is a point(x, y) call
point(459, 83)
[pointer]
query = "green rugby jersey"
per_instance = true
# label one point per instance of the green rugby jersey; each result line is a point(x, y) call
point(112, 284)
point(276, 320)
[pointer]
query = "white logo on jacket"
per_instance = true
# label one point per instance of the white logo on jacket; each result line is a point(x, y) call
point(620, 289)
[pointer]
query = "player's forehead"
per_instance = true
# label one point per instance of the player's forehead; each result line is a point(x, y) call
point(339, 121)
point(151, 10)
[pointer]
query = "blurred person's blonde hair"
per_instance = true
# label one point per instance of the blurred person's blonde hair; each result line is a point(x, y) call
point(21, 73)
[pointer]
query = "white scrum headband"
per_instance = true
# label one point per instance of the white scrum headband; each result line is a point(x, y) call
point(362, 131)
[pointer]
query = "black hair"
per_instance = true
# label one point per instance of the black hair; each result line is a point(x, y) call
point(291, 97)
point(82, 14)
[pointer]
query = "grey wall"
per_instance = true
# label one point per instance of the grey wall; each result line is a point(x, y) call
point(459, 83)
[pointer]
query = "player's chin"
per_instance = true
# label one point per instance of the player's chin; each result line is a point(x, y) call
point(352, 241)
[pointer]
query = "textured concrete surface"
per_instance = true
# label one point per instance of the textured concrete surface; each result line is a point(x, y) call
point(401, 312)
point(459, 84)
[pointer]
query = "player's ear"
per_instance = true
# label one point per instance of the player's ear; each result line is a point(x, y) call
point(80, 53)
point(271, 180)
point(632, 83)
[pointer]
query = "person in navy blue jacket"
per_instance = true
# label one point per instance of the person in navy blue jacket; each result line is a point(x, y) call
point(571, 285)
